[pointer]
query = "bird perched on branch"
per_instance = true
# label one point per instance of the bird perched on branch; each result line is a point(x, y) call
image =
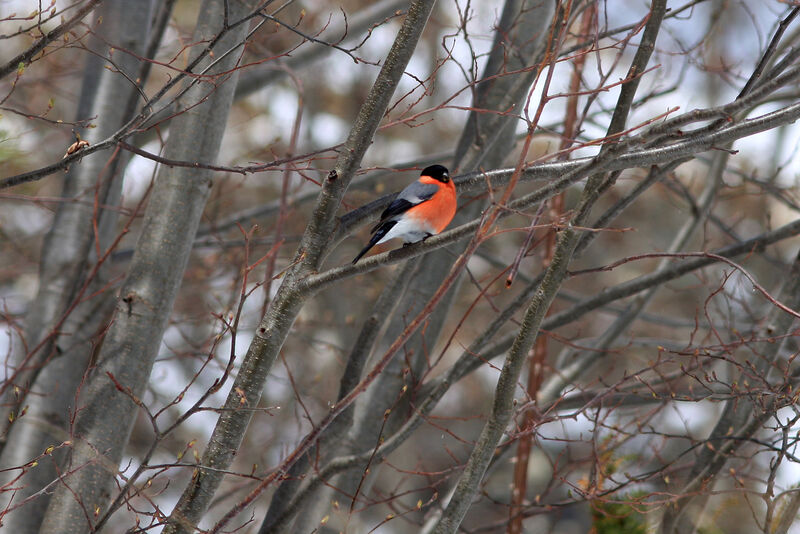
point(419, 211)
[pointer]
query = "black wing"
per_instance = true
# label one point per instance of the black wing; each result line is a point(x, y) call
point(382, 229)
point(398, 206)
point(407, 199)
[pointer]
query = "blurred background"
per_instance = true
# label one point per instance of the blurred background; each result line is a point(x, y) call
point(296, 100)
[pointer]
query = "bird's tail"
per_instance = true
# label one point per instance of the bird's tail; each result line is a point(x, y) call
point(380, 231)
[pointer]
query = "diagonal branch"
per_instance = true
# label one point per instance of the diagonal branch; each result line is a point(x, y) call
point(23, 59)
point(275, 325)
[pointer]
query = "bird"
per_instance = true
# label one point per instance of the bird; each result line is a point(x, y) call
point(421, 210)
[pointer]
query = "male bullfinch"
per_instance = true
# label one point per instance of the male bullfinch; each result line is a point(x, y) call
point(419, 211)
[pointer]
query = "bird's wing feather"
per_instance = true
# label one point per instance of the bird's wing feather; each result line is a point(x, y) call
point(409, 197)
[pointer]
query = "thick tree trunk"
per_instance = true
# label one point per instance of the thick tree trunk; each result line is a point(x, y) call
point(60, 362)
point(154, 276)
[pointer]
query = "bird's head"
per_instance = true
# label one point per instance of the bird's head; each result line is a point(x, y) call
point(437, 172)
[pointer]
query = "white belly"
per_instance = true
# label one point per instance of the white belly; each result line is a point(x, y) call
point(408, 230)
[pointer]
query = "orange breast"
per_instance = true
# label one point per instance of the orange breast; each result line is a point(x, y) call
point(435, 214)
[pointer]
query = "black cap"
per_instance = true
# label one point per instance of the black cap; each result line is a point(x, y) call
point(437, 172)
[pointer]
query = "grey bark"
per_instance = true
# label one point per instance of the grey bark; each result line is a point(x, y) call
point(147, 295)
point(275, 325)
point(67, 244)
point(487, 139)
point(68, 252)
point(568, 240)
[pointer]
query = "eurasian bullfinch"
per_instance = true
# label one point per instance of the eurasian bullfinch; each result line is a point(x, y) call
point(419, 211)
